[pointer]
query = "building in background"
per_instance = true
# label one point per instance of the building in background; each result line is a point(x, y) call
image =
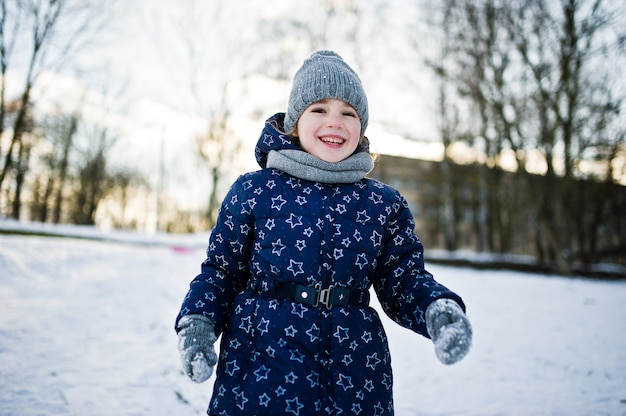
point(487, 210)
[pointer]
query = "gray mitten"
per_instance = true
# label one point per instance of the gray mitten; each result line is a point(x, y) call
point(449, 329)
point(196, 336)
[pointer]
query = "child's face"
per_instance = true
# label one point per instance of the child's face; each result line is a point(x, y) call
point(329, 129)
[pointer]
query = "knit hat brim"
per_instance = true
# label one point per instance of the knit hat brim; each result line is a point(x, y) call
point(322, 76)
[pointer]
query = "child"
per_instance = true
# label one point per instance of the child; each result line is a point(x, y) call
point(296, 248)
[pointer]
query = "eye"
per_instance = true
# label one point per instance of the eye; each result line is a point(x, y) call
point(349, 113)
point(318, 110)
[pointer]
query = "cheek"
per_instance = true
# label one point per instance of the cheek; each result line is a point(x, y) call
point(357, 131)
point(302, 127)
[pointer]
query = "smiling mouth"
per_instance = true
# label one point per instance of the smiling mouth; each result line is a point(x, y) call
point(332, 140)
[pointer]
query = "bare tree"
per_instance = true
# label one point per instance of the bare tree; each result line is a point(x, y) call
point(94, 177)
point(560, 48)
point(127, 183)
point(58, 131)
point(217, 151)
point(21, 167)
point(469, 66)
point(531, 74)
point(29, 29)
point(218, 52)
point(211, 58)
point(65, 142)
point(448, 126)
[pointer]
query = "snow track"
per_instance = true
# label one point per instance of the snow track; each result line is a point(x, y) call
point(86, 328)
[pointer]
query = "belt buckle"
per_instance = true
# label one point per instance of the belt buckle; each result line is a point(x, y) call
point(324, 296)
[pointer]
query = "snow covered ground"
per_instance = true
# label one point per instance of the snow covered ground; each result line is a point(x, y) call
point(86, 328)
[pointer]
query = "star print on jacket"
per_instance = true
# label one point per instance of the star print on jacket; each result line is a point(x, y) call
point(280, 357)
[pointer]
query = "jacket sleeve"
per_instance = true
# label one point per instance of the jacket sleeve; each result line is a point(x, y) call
point(403, 286)
point(224, 272)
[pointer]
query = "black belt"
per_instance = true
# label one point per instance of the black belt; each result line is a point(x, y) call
point(329, 297)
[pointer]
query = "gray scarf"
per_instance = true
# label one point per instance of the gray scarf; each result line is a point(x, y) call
point(303, 165)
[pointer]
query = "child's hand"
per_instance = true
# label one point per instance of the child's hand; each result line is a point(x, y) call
point(449, 329)
point(196, 336)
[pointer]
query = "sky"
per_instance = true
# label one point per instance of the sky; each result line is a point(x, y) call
point(139, 71)
point(144, 55)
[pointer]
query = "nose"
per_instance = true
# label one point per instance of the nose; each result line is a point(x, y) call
point(334, 121)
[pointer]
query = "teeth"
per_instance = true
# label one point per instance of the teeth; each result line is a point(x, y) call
point(332, 140)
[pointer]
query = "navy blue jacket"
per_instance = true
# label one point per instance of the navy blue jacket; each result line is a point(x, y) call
point(279, 357)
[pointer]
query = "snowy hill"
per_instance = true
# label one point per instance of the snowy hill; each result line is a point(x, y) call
point(86, 328)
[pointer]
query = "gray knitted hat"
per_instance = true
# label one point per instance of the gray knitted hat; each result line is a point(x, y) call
point(325, 75)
